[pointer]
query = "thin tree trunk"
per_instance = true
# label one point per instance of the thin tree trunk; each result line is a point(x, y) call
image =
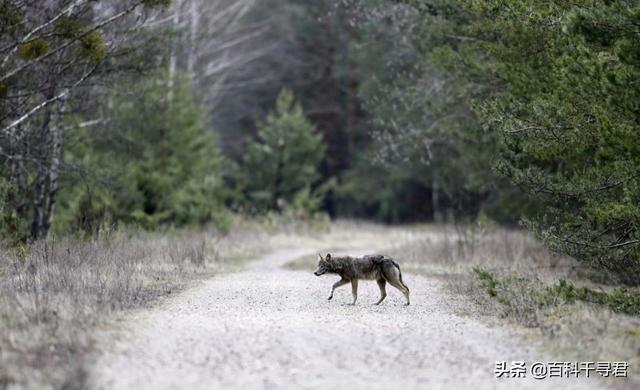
point(16, 207)
point(435, 199)
point(330, 118)
point(42, 176)
point(173, 59)
point(352, 92)
point(57, 139)
point(194, 16)
point(17, 168)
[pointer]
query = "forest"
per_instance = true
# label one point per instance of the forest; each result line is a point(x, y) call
point(179, 117)
point(149, 114)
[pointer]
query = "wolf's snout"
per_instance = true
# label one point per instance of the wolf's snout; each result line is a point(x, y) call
point(316, 273)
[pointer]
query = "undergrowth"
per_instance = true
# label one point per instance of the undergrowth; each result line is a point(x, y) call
point(620, 300)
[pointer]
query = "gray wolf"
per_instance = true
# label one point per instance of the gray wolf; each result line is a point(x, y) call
point(380, 268)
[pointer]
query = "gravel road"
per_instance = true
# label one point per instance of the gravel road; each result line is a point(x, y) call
point(269, 328)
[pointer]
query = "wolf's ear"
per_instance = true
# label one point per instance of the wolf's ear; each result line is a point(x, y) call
point(320, 256)
point(328, 257)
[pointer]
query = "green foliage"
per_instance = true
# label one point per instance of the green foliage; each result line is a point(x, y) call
point(13, 229)
point(392, 193)
point(156, 3)
point(504, 289)
point(33, 49)
point(569, 121)
point(160, 165)
point(10, 18)
point(68, 27)
point(281, 165)
point(307, 203)
point(92, 47)
point(550, 82)
point(425, 128)
point(488, 281)
point(620, 300)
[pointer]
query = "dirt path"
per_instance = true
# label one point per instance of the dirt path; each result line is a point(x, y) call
point(271, 328)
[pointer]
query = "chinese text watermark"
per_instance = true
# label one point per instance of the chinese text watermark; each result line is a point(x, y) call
point(542, 370)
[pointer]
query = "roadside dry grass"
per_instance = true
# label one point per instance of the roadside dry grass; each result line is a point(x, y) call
point(525, 287)
point(55, 292)
point(53, 295)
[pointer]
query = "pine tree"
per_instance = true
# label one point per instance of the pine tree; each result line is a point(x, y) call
point(556, 83)
point(158, 164)
point(285, 157)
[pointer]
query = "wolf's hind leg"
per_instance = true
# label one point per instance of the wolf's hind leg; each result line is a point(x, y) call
point(383, 291)
point(400, 286)
point(406, 292)
point(337, 284)
point(354, 290)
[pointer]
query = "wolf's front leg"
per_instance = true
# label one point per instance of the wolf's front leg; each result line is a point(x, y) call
point(354, 290)
point(337, 284)
point(383, 290)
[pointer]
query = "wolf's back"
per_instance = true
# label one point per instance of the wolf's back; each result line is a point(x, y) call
point(380, 259)
point(375, 259)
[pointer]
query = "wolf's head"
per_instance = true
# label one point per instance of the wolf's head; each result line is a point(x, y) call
point(324, 265)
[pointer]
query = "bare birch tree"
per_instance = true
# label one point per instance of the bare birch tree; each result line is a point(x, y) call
point(213, 42)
